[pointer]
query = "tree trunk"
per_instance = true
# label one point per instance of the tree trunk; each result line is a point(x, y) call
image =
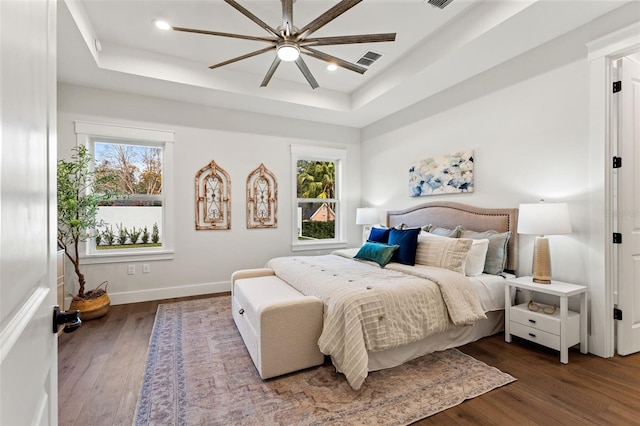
point(76, 266)
point(81, 280)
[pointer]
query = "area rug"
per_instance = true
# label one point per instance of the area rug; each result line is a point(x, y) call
point(199, 372)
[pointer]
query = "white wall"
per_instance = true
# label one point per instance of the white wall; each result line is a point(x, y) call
point(527, 120)
point(238, 142)
point(131, 217)
point(529, 141)
point(529, 123)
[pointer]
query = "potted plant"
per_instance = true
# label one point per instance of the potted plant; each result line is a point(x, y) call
point(77, 222)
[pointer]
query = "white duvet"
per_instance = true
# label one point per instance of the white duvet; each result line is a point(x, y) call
point(368, 308)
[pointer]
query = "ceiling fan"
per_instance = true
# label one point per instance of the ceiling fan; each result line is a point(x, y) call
point(289, 42)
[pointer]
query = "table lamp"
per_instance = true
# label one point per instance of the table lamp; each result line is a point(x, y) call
point(366, 216)
point(543, 219)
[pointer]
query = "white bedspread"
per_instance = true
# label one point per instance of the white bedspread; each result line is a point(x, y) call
point(371, 308)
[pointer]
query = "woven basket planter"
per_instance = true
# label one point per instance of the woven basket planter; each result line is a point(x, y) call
point(92, 308)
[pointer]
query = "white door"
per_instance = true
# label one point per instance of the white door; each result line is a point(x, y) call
point(628, 328)
point(28, 346)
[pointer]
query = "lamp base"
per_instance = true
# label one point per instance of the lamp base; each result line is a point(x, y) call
point(366, 230)
point(542, 261)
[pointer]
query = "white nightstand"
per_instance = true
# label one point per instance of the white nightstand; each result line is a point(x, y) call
point(558, 331)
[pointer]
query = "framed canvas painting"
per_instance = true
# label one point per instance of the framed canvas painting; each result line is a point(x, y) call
point(447, 174)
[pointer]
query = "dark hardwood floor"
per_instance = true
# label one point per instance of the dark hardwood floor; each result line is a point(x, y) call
point(102, 363)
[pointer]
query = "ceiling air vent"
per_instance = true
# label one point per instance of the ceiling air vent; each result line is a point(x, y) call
point(368, 58)
point(440, 4)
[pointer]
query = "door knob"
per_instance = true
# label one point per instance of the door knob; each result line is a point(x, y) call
point(70, 319)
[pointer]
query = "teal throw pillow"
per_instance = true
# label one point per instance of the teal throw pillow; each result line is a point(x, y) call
point(376, 252)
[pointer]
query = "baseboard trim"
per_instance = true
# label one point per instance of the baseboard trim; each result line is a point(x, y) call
point(125, 297)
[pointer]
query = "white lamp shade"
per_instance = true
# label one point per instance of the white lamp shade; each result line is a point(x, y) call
point(366, 216)
point(544, 219)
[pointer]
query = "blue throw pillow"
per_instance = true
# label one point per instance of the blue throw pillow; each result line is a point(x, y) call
point(376, 252)
point(407, 239)
point(379, 235)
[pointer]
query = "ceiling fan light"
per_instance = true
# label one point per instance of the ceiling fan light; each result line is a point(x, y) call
point(163, 25)
point(288, 52)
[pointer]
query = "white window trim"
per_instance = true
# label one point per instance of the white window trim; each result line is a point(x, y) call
point(85, 132)
point(305, 152)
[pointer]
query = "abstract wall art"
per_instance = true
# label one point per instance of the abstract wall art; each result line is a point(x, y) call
point(447, 174)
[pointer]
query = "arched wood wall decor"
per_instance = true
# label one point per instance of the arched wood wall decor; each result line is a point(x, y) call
point(262, 199)
point(213, 198)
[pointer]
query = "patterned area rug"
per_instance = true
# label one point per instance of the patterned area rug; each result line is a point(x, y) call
point(199, 372)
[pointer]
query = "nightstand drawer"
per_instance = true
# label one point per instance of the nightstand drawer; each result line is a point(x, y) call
point(541, 321)
point(555, 331)
point(534, 335)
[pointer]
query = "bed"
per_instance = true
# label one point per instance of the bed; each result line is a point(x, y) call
point(380, 317)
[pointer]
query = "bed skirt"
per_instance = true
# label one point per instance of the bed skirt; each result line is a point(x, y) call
point(455, 337)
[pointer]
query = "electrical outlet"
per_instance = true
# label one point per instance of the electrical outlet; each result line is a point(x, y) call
point(131, 269)
point(146, 268)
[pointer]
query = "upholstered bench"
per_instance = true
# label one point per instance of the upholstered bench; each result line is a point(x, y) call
point(279, 325)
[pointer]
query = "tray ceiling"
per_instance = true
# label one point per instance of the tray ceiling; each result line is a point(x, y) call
point(113, 44)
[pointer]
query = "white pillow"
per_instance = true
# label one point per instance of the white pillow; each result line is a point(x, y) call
point(452, 258)
point(474, 265)
point(443, 252)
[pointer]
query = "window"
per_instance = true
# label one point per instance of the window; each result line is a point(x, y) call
point(318, 208)
point(137, 163)
point(134, 219)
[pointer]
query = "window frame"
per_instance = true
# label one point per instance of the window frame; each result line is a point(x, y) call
point(314, 153)
point(86, 134)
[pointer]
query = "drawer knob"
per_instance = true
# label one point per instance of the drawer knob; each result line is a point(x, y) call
point(532, 335)
point(532, 321)
point(241, 311)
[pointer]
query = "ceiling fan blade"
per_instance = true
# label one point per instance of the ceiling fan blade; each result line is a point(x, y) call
point(332, 59)
point(253, 17)
point(239, 58)
point(287, 17)
point(307, 74)
point(271, 71)
point(326, 17)
point(352, 39)
point(216, 33)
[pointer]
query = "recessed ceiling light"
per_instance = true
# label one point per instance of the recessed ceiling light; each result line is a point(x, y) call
point(163, 25)
point(332, 67)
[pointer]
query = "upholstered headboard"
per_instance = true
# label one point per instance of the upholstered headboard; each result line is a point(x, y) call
point(449, 215)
